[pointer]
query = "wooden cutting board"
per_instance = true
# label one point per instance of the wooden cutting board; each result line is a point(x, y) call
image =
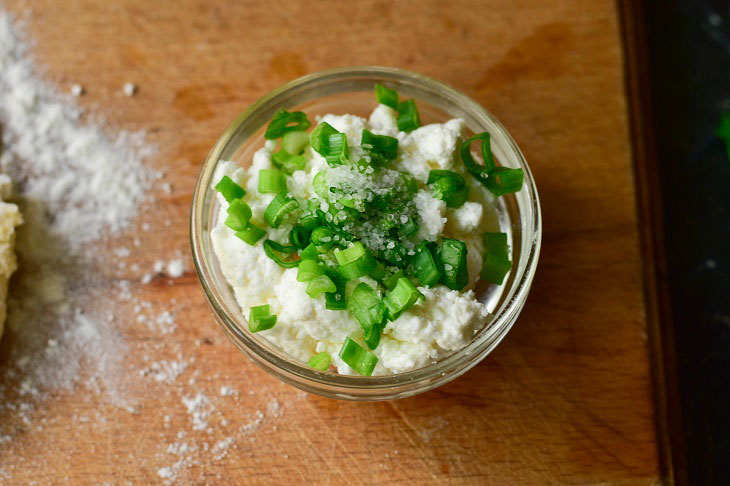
point(566, 398)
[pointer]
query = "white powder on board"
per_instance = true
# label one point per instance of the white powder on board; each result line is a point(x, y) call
point(78, 187)
point(77, 184)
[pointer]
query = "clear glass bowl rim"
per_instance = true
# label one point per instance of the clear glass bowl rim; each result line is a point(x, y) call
point(384, 387)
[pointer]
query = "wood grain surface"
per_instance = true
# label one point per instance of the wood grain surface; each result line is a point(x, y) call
point(565, 399)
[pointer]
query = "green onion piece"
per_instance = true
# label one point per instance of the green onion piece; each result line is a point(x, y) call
point(284, 122)
point(278, 208)
point(448, 186)
point(401, 298)
point(271, 181)
point(260, 318)
point(309, 269)
point(320, 361)
point(319, 184)
point(357, 357)
point(271, 248)
point(378, 273)
point(480, 172)
point(408, 116)
point(335, 301)
point(397, 255)
point(309, 253)
point(251, 234)
point(287, 162)
point(409, 228)
point(391, 281)
point(320, 284)
point(381, 148)
point(495, 262)
point(309, 220)
point(355, 262)
point(323, 238)
point(424, 266)
point(452, 256)
point(410, 182)
point(239, 213)
point(229, 189)
point(498, 180)
point(386, 96)
point(330, 143)
point(503, 180)
point(299, 236)
point(368, 309)
point(338, 152)
point(295, 142)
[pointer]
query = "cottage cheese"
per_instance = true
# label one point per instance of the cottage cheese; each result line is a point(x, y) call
point(444, 321)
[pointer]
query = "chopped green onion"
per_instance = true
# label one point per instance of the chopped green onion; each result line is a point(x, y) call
point(368, 309)
point(410, 182)
point(378, 273)
point(452, 256)
point(386, 96)
point(335, 301)
point(503, 181)
point(251, 234)
point(260, 318)
point(409, 228)
point(397, 255)
point(278, 208)
point(495, 262)
point(309, 269)
point(238, 215)
point(338, 152)
point(448, 186)
point(391, 281)
point(323, 238)
point(299, 236)
point(319, 284)
point(271, 247)
point(424, 266)
point(380, 147)
point(401, 298)
point(229, 189)
point(309, 253)
point(355, 262)
point(498, 180)
point(320, 361)
point(331, 144)
point(271, 181)
point(295, 142)
point(284, 122)
point(480, 172)
point(357, 357)
point(408, 116)
point(319, 184)
point(287, 162)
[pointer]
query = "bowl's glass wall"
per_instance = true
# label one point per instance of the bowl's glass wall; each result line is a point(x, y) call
point(351, 91)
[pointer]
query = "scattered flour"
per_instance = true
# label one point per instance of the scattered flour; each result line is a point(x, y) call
point(78, 186)
point(175, 268)
point(129, 89)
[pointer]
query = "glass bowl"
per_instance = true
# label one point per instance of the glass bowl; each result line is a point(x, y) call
point(350, 90)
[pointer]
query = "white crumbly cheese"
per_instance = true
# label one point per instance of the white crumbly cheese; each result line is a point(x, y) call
point(444, 321)
point(430, 147)
point(467, 218)
point(432, 212)
point(383, 121)
point(10, 218)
